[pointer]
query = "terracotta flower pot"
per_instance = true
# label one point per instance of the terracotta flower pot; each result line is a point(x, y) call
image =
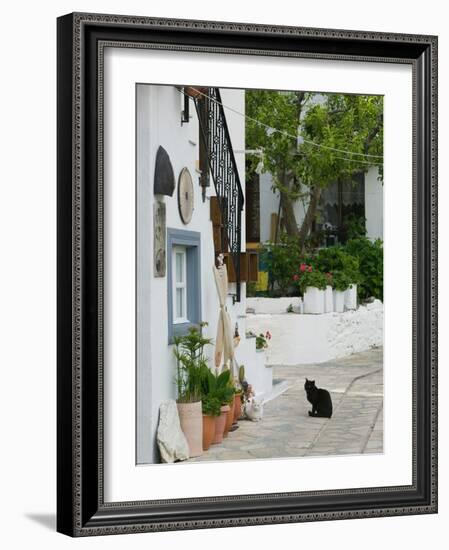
point(237, 406)
point(191, 420)
point(220, 422)
point(208, 431)
point(229, 419)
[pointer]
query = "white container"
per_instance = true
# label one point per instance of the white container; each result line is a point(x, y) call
point(339, 300)
point(351, 297)
point(328, 300)
point(313, 300)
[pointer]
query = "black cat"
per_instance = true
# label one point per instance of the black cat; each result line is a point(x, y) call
point(320, 399)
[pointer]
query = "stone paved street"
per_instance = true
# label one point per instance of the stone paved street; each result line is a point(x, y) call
point(356, 387)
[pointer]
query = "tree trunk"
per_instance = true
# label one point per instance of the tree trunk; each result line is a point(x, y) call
point(288, 216)
point(286, 204)
point(306, 226)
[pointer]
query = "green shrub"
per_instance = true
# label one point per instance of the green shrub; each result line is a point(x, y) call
point(336, 258)
point(370, 257)
point(281, 261)
point(340, 280)
point(354, 227)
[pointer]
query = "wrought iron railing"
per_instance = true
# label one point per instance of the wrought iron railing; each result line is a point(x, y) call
point(225, 175)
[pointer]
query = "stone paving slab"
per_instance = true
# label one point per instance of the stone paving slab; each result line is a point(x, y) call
point(356, 387)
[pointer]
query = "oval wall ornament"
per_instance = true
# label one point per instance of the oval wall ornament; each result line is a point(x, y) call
point(164, 177)
point(185, 196)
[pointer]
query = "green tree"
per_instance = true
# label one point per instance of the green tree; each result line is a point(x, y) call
point(327, 125)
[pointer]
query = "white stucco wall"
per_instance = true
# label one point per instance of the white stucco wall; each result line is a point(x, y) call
point(159, 111)
point(304, 339)
point(273, 305)
point(374, 205)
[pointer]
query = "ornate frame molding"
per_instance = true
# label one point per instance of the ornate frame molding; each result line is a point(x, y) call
point(81, 41)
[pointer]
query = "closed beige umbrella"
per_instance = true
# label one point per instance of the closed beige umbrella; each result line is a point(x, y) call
point(224, 344)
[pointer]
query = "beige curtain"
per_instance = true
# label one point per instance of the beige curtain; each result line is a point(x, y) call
point(224, 344)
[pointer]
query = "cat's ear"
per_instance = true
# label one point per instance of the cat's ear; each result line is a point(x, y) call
point(306, 380)
point(312, 381)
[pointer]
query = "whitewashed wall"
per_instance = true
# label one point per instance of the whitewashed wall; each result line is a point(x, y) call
point(306, 339)
point(159, 111)
point(374, 205)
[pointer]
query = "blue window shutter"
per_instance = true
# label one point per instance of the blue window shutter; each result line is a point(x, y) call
point(192, 241)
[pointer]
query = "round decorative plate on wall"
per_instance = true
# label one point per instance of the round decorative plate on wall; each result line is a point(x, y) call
point(185, 196)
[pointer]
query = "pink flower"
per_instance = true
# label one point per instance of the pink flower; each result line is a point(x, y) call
point(309, 268)
point(295, 277)
point(303, 267)
point(268, 335)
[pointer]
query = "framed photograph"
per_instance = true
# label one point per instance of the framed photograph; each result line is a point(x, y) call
point(247, 283)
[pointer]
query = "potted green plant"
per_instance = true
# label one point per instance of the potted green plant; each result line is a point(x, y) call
point(312, 284)
point(328, 294)
point(191, 364)
point(211, 408)
point(239, 394)
point(262, 340)
point(338, 259)
point(216, 386)
point(340, 283)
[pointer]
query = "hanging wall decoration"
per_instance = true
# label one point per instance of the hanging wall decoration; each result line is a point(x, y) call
point(185, 196)
point(164, 177)
point(159, 242)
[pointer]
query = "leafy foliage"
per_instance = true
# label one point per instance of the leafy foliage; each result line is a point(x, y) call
point(370, 257)
point(211, 405)
point(336, 258)
point(354, 227)
point(327, 125)
point(218, 386)
point(340, 280)
point(312, 278)
point(281, 260)
point(191, 365)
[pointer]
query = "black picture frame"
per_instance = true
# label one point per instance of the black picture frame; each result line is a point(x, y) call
point(81, 510)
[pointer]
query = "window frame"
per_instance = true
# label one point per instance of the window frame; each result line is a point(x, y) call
point(181, 251)
point(191, 242)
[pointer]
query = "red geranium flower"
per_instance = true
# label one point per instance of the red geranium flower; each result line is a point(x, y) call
point(309, 268)
point(295, 277)
point(303, 267)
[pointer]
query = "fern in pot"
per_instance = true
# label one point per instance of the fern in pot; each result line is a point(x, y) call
point(191, 364)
